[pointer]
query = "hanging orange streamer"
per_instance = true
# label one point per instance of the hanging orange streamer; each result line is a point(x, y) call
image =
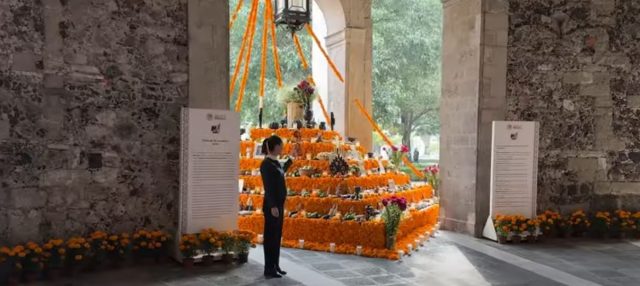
point(385, 138)
point(276, 61)
point(248, 60)
point(324, 111)
point(235, 13)
point(296, 41)
point(243, 46)
point(326, 56)
point(263, 61)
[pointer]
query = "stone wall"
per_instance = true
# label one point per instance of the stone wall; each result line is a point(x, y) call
point(574, 65)
point(90, 96)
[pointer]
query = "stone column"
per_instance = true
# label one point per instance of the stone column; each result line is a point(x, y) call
point(209, 54)
point(473, 95)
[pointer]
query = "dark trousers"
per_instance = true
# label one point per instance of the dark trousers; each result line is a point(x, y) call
point(272, 238)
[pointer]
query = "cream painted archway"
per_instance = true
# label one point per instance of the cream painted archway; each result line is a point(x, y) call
point(344, 27)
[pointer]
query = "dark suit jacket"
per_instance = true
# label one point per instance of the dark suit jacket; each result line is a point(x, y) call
point(275, 186)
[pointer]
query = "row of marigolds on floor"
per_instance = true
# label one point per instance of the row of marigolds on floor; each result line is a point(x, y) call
point(57, 257)
point(601, 224)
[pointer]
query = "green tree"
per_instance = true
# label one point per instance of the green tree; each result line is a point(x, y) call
point(291, 68)
point(407, 37)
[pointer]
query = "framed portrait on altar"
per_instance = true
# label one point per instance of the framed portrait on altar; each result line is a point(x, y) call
point(257, 152)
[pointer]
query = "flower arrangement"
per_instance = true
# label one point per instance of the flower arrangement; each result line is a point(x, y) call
point(532, 228)
point(503, 226)
point(305, 133)
point(329, 184)
point(549, 221)
point(303, 93)
point(432, 175)
point(622, 223)
point(392, 214)
point(397, 153)
point(54, 254)
point(244, 240)
point(77, 250)
point(209, 241)
point(30, 260)
point(118, 247)
point(188, 246)
point(602, 223)
point(578, 223)
point(635, 217)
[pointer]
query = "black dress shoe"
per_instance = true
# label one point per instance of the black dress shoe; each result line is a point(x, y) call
point(272, 275)
point(280, 271)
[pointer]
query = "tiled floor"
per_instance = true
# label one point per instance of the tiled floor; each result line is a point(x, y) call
point(449, 259)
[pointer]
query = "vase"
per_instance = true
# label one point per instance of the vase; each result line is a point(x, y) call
point(391, 242)
point(207, 260)
point(243, 257)
point(502, 239)
point(308, 114)
point(187, 263)
point(294, 112)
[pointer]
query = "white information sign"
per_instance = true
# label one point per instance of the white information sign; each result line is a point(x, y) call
point(514, 171)
point(209, 170)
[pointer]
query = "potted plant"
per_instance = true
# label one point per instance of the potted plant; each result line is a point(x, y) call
point(621, 224)
point(54, 257)
point(397, 153)
point(532, 229)
point(518, 227)
point(244, 241)
point(602, 224)
point(549, 223)
point(298, 101)
point(432, 176)
point(98, 253)
point(635, 219)
point(188, 247)
point(208, 245)
point(392, 215)
point(579, 223)
point(503, 228)
point(159, 245)
point(77, 250)
point(8, 260)
point(117, 248)
point(228, 245)
point(30, 261)
point(140, 246)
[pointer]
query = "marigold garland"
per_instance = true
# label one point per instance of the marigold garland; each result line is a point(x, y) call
point(323, 205)
point(274, 47)
point(285, 133)
point(347, 235)
point(305, 148)
point(263, 54)
point(243, 47)
point(324, 53)
point(235, 13)
point(329, 184)
point(248, 164)
point(245, 75)
point(296, 41)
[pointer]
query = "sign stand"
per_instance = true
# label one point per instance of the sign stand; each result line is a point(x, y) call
point(209, 169)
point(514, 171)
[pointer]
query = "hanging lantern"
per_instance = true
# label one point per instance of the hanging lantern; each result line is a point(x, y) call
point(293, 14)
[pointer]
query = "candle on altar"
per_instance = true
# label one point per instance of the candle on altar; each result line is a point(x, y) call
point(261, 103)
point(332, 247)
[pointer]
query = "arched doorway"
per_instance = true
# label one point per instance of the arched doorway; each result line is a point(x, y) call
point(344, 29)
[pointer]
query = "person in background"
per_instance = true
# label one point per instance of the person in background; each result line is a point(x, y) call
point(416, 155)
point(275, 194)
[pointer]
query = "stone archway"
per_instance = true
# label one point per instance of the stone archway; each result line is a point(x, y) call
point(345, 29)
